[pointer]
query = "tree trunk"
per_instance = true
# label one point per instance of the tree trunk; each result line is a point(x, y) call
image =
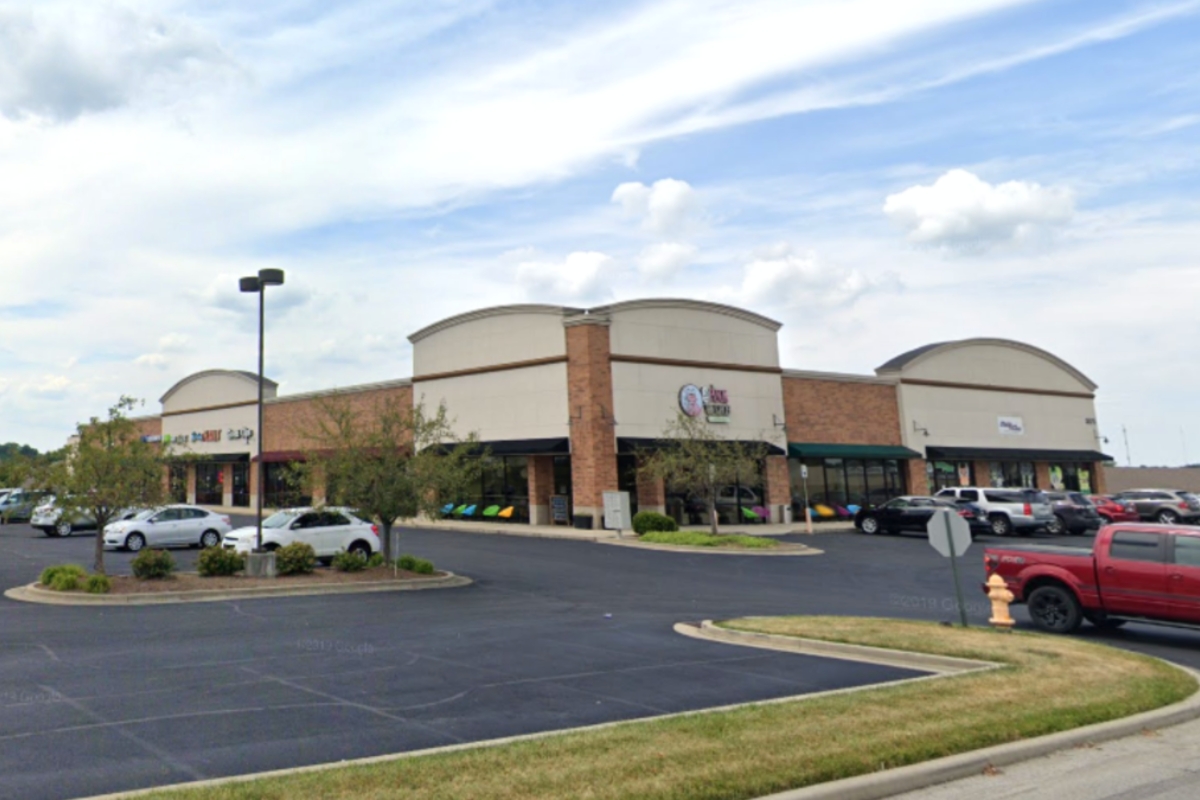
point(712, 515)
point(98, 553)
point(386, 530)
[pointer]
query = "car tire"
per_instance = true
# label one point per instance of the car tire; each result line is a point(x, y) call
point(870, 525)
point(1054, 609)
point(1167, 517)
point(1001, 525)
point(360, 547)
point(63, 529)
point(134, 542)
point(1058, 527)
point(270, 547)
point(210, 539)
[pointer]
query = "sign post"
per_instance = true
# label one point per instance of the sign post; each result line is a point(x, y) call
point(807, 509)
point(950, 535)
point(616, 512)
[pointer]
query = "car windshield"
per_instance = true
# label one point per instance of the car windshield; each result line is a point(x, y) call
point(280, 519)
point(144, 514)
point(1079, 499)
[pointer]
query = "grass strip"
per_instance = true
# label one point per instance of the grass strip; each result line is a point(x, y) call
point(1048, 684)
point(701, 539)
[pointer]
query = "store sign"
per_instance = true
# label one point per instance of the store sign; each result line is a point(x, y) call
point(710, 401)
point(1010, 426)
point(239, 434)
point(206, 436)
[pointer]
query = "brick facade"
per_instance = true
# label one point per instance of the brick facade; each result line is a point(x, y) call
point(651, 494)
point(541, 486)
point(291, 425)
point(590, 403)
point(840, 412)
point(778, 489)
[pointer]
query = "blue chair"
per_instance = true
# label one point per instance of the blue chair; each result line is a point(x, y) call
point(469, 511)
point(853, 509)
point(446, 509)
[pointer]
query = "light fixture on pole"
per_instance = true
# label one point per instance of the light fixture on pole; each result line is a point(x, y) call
point(258, 283)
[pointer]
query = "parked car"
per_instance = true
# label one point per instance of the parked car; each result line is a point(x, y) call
point(17, 505)
point(47, 518)
point(1074, 514)
point(1021, 511)
point(912, 513)
point(329, 531)
point(1167, 506)
point(1134, 571)
point(167, 526)
point(1112, 510)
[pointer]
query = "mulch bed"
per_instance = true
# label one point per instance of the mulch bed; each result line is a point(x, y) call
point(190, 581)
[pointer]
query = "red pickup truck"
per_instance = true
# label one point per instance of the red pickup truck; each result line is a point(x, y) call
point(1147, 573)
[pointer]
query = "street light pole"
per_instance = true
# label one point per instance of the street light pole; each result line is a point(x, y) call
point(259, 283)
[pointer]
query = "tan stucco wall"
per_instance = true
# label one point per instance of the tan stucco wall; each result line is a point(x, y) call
point(1120, 479)
point(526, 403)
point(646, 398)
point(216, 389)
point(969, 418)
point(500, 337)
point(222, 419)
point(994, 365)
point(691, 334)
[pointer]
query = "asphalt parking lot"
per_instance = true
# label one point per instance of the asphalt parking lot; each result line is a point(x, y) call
point(553, 634)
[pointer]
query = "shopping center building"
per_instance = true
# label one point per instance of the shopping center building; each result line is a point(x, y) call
point(564, 400)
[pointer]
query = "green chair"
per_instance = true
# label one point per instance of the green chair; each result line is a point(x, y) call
point(749, 515)
point(491, 511)
point(458, 512)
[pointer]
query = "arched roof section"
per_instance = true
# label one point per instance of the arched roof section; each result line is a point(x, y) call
point(692, 305)
point(494, 311)
point(923, 357)
point(213, 386)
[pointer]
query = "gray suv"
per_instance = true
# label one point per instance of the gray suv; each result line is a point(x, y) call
point(1007, 510)
point(1167, 506)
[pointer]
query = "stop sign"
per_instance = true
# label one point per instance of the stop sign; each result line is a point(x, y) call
point(946, 526)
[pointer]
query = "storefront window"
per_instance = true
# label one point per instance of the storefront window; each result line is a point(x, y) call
point(177, 483)
point(241, 485)
point(503, 482)
point(941, 475)
point(896, 484)
point(209, 486)
point(856, 483)
point(1070, 478)
point(281, 488)
point(1012, 474)
point(835, 482)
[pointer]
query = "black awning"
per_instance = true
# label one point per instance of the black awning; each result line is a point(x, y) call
point(627, 445)
point(869, 451)
point(213, 458)
point(1012, 454)
point(557, 446)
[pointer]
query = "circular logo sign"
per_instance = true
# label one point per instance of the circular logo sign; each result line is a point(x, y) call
point(691, 400)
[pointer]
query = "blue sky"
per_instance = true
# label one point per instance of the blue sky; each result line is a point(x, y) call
point(875, 174)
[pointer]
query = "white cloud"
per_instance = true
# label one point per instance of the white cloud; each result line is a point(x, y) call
point(666, 206)
point(581, 276)
point(792, 280)
point(152, 360)
point(50, 386)
point(961, 211)
point(174, 343)
point(665, 260)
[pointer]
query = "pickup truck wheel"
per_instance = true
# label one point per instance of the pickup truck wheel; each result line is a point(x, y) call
point(1054, 609)
point(869, 525)
point(1167, 517)
point(1001, 526)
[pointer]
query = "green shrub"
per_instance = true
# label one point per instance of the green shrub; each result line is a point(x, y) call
point(65, 582)
point(647, 521)
point(219, 562)
point(152, 564)
point(376, 560)
point(49, 573)
point(349, 562)
point(97, 584)
point(406, 562)
point(297, 558)
point(422, 567)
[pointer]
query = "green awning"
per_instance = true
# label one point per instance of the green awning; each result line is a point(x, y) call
point(818, 450)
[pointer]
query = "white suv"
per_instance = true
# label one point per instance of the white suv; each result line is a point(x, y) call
point(329, 531)
point(1007, 510)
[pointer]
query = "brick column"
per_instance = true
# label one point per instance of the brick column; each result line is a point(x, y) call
point(914, 473)
point(590, 405)
point(227, 485)
point(1099, 479)
point(651, 495)
point(779, 486)
point(541, 486)
point(983, 474)
point(1041, 475)
point(191, 483)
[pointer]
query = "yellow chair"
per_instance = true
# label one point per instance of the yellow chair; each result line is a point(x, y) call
point(506, 513)
point(824, 511)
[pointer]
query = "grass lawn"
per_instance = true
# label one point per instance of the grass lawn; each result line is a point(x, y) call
point(700, 539)
point(1048, 684)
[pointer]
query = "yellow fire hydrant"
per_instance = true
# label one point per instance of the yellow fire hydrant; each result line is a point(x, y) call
point(1000, 596)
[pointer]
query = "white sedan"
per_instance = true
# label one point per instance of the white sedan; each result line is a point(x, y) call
point(168, 526)
point(329, 531)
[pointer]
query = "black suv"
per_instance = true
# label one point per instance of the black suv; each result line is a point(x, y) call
point(1167, 506)
point(1074, 514)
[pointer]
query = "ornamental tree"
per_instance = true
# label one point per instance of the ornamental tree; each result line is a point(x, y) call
point(107, 470)
point(388, 460)
point(691, 458)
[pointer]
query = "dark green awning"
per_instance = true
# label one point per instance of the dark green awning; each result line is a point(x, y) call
point(818, 450)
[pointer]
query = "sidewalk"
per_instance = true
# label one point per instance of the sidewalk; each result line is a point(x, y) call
point(566, 532)
point(1153, 765)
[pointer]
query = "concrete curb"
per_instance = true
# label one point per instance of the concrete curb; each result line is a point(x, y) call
point(902, 659)
point(32, 594)
point(567, 534)
point(786, 549)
